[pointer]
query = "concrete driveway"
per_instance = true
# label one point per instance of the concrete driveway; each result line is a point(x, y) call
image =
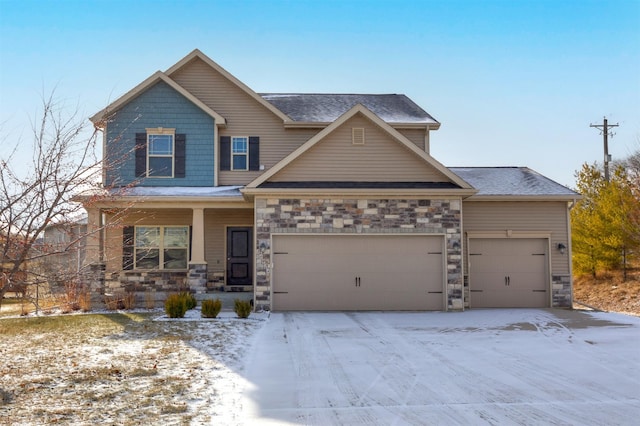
point(507, 366)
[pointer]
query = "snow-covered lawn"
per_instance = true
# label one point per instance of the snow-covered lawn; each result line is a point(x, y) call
point(125, 368)
point(476, 367)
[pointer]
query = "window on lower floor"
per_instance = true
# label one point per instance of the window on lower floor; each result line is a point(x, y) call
point(161, 247)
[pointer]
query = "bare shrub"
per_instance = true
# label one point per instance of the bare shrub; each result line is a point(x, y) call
point(129, 300)
point(149, 300)
point(114, 301)
point(84, 301)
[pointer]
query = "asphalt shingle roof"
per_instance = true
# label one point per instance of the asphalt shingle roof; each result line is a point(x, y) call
point(326, 108)
point(509, 181)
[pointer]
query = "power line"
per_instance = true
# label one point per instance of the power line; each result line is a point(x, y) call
point(604, 130)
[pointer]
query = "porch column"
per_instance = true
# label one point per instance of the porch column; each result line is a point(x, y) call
point(197, 238)
point(197, 263)
point(93, 244)
point(93, 267)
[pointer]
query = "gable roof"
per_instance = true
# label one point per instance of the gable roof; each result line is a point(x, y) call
point(197, 54)
point(326, 108)
point(504, 182)
point(142, 87)
point(359, 109)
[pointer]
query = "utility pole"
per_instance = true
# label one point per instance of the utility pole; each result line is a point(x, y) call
point(604, 128)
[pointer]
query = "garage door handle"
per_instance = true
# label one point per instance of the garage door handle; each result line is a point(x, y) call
point(357, 281)
point(280, 292)
point(476, 291)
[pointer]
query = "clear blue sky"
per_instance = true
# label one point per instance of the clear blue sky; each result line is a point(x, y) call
point(513, 83)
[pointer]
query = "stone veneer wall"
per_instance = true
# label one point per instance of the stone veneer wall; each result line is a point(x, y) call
point(358, 216)
point(157, 283)
point(561, 291)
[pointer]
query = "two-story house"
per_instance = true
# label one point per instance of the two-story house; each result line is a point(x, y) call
point(315, 202)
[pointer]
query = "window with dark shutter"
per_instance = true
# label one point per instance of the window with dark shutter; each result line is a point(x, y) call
point(180, 155)
point(128, 235)
point(225, 152)
point(254, 153)
point(141, 154)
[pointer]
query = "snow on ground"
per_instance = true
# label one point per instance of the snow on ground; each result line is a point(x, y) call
point(126, 368)
point(501, 367)
point(520, 366)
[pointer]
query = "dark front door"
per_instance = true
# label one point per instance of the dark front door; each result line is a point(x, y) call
point(239, 264)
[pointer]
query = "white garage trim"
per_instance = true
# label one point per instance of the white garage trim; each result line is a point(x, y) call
point(377, 282)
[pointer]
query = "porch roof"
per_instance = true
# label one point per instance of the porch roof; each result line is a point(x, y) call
point(179, 191)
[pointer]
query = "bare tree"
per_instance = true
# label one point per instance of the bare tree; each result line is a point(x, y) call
point(39, 194)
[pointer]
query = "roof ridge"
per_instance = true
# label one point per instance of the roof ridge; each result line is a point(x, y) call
point(332, 94)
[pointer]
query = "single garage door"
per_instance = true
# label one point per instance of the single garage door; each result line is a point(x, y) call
point(508, 273)
point(357, 272)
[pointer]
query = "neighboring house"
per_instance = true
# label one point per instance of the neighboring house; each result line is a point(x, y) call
point(315, 202)
point(65, 245)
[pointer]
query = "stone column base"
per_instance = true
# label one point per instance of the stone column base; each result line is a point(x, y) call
point(197, 279)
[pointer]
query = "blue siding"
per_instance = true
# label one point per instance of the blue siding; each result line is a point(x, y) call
point(161, 106)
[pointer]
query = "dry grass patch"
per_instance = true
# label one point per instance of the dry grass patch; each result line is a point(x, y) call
point(608, 292)
point(119, 368)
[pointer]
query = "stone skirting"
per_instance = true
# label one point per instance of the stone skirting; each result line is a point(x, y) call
point(197, 277)
point(561, 290)
point(142, 283)
point(358, 216)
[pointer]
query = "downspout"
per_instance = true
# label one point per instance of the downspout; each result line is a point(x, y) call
point(216, 154)
point(570, 206)
point(427, 147)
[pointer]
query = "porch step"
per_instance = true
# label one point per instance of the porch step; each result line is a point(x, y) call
point(226, 297)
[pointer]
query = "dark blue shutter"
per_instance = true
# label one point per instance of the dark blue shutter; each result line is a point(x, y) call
point(225, 152)
point(141, 154)
point(179, 170)
point(254, 153)
point(128, 236)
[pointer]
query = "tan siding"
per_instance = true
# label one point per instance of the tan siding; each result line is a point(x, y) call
point(215, 223)
point(414, 135)
point(113, 240)
point(244, 115)
point(381, 158)
point(522, 216)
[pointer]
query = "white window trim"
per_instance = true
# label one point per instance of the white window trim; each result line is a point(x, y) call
point(246, 154)
point(161, 248)
point(162, 131)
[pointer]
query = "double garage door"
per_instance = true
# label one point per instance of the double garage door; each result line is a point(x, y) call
point(357, 272)
point(508, 273)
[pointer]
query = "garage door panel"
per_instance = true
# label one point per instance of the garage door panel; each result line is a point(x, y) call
point(508, 272)
point(335, 272)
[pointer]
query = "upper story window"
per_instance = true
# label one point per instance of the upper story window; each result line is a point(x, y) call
point(240, 152)
point(160, 153)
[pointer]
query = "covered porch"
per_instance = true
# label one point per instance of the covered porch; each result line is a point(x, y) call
point(153, 245)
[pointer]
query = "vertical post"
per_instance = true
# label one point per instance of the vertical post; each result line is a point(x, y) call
point(197, 279)
point(197, 237)
point(605, 133)
point(604, 128)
